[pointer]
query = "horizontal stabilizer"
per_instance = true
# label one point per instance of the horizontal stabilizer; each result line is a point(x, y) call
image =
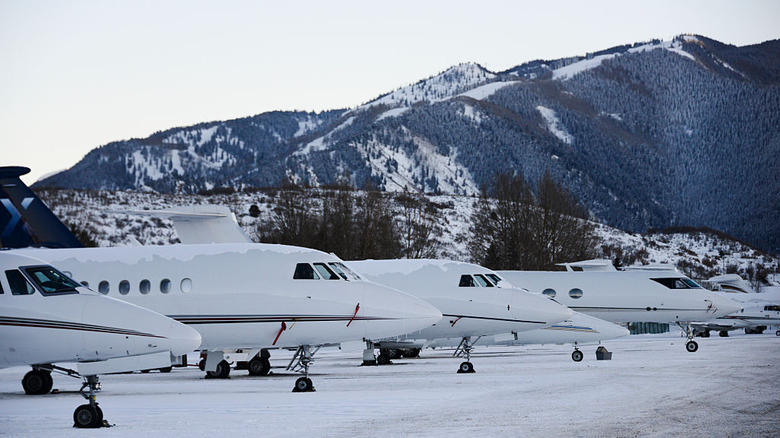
point(200, 223)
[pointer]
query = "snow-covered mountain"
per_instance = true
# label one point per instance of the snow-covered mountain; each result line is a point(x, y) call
point(657, 134)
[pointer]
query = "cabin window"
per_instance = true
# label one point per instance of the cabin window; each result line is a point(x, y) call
point(145, 286)
point(482, 281)
point(85, 284)
point(304, 271)
point(772, 308)
point(677, 283)
point(103, 287)
point(185, 285)
point(51, 281)
point(165, 286)
point(124, 287)
point(19, 285)
point(343, 271)
point(466, 281)
point(575, 293)
point(549, 292)
point(325, 272)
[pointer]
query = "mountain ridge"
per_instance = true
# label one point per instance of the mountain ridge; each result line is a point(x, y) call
point(651, 134)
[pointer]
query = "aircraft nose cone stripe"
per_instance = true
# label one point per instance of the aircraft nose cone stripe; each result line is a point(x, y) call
point(68, 325)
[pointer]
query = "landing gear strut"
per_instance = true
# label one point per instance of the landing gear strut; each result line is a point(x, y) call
point(691, 346)
point(89, 415)
point(464, 349)
point(301, 361)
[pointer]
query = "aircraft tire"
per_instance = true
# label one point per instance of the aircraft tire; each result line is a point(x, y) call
point(222, 371)
point(88, 417)
point(259, 366)
point(37, 382)
point(691, 346)
point(303, 384)
point(577, 356)
point(465, 367)
point(777, 333)
point(412, 352)
point(723, 334)
point(166, 369)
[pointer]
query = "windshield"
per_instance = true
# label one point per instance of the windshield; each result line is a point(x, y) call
point(343, 271)
point(50, 280)
point(677, 283)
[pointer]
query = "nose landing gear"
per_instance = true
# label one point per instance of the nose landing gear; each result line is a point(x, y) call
point(464, 349)
point(89, 415)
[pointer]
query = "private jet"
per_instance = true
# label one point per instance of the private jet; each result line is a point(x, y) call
point(472, 303)
point(660, 295)
point(47, 318)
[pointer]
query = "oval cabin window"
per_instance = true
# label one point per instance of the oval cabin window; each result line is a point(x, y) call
point(165, 286)
point(575, 293)
point(549, 292)
point(145, 286)
point(186, 285)
point(124, 287)
point(103, 287)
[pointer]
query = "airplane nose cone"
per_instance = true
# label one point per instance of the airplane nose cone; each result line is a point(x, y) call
point(550, 311)
point(182, 339)
point(724, 306)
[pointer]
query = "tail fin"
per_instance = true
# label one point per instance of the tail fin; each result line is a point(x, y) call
point(25, 220)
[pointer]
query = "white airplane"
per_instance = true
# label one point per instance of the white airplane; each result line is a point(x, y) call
point(467, 296)
point(47, 318)
point(243, 298)
point(646, 295)
point(755, 317)
point(579, 329)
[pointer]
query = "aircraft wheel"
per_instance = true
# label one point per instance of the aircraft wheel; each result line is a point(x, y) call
point(465, 367)
point(691, 346)
point(412, 352)
point(383, 359)
point(577, 356)
point(87, 416)
point(166, 369)
point(723, 334)
point(777, 333)
point(259, 366)
point(705, 334)
point(37, 382)
point(145, 371)
point(222, 371)
point(303, 384)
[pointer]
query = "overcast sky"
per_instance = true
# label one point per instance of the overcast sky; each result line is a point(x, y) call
point(76, 75)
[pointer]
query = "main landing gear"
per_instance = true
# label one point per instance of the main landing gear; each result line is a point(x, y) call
point(89, 415)
point(691, 346)
point(464, 349)
point(577, 355)
point(38, 381)
point(301, 362)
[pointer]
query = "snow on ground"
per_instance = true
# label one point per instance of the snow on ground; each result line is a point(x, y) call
point(652, 387)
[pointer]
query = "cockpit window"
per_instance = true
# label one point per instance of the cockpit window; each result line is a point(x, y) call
point(772, 308)
point(19, 285)
point(677, 283)
point(482, 281)
point(466, 281)
point(51, 281)
point(495, 278)
point(343, 271)
point(304, 271)
point(325, 272)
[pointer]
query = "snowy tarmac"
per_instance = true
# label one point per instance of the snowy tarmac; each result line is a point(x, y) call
point(651, 387)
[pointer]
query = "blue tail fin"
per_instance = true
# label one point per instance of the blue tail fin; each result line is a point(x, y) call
point(25, 220)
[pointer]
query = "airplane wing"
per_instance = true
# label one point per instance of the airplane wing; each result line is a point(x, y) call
point(200, 223)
